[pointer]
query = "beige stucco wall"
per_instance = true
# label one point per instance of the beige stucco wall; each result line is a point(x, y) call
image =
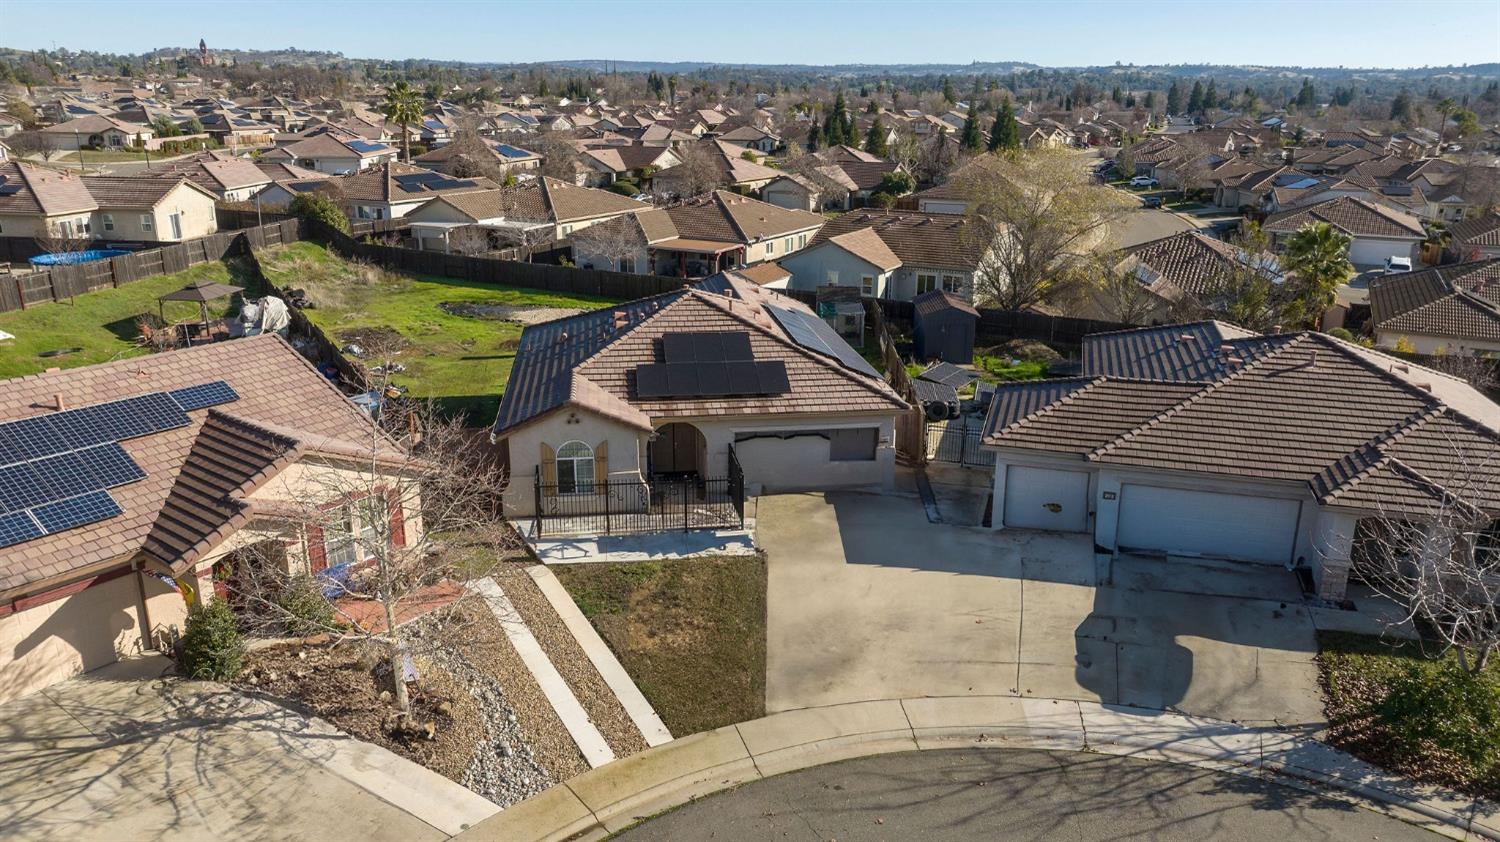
point(57, 640)
point(12, 225)
point(197, 215)
point(626, 451)
point(1435, 344)
point(798, 464)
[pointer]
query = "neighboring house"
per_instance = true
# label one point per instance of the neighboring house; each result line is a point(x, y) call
point(815, 191)
point(735, 172)
point(1376, 232)
point(890, 254)
point(1452, 309)
point(704, 236)
point(152, 209)
point(1477, 238)
point(608, 164)
point(230, 179)
point(545, 209)
point(36, 201)
point(393, 190)
point(506, 157)
point(947, 197)
point(96, 130)
point(595, 410)
point(752, 137)
point(1186, 268)
point(326, 153)
point(1255, 450)
point(148, 475)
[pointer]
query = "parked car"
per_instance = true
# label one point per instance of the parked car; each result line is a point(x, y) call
point(1395, 264)
point(642, 197)
point(1144, 181)
point(1152, 201)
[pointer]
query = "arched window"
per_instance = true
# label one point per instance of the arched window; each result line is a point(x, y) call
point(575, 468)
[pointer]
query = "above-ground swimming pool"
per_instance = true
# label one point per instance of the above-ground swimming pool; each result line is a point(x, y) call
point(73, 258)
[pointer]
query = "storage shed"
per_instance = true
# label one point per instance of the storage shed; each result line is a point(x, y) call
point(943, 326)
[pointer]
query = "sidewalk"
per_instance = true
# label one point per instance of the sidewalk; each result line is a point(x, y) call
point(615, 796)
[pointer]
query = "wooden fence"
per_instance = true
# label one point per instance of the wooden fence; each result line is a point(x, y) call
point(17, 292)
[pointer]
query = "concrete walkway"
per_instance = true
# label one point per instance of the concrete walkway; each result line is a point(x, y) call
point(123, 753)
point(574, 718)
point(610, 799)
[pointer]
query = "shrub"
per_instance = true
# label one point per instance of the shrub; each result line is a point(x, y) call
point(1341, 333)
point(315, 205)
point(304, 609)
point(625, 187)
point(211, 644)
point(1446, 709)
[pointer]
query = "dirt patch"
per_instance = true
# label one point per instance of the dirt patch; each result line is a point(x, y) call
point(388, 339)
point(344, 685)
point(507, 313)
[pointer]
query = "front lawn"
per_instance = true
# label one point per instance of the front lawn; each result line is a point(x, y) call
point(100, 326)
point(1359, 673)
point(456, 339)
point(691, 632)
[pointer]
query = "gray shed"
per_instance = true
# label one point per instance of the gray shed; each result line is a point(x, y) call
point(943, 326)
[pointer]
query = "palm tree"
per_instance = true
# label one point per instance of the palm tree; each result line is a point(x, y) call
point(403, 107)
point(1445, 107)
point(1317, 258)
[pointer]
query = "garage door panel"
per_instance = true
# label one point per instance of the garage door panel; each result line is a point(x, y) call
point(1040, 498)
point(1202, 523)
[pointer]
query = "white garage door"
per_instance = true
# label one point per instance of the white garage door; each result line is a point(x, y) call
point(1374, 252)
point(1038, 498)
point(1202, 523)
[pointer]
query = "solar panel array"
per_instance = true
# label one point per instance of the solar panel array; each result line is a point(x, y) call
point(948, 374)
point(416, 182)
point(56, 469)
point(815, 335)
point(709, 364)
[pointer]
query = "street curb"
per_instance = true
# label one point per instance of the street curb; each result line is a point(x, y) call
point(615, 796)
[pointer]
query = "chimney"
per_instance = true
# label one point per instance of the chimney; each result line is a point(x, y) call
point(57, 400)
point(1312, 357)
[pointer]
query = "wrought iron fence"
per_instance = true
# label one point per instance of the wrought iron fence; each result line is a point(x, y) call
point(635, 506)
point(958, 443)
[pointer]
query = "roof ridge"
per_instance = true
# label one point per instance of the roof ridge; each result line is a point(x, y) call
point(1047, 409)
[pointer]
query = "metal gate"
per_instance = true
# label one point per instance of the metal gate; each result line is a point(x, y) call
point(958, 442)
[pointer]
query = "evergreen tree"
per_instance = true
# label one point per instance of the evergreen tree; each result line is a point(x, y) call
point(971, 141)
point(875, 138)
point(814, 138)
point(1195, 99)
point(1401, 107)
point(1174, 98)
point(1210, 96)
point(837, 126)
point(1150, 100)
point(1307, 98)
point(948, 95)
point(1005, 134)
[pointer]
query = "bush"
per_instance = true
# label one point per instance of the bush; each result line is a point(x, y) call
point(211, 644)
point(304, 609)
point(1024, 349)
point(1446, 709)
point(625, 187)
point(317, 206)
point(1341, 333)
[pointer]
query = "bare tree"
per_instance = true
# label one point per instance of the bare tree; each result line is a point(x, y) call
point(470, 240)
point(1441, 562)
point(31, 143)
point(698, 173)
point(559, 155)
point(1195, 166)
point(57, 239)
point(820, 173)
point(1111, 289)
point(411, 509)
point(1031, 214)
point(612, 244)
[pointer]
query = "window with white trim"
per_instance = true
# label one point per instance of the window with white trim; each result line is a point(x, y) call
point(833, 276)
point(953, 283)
point(926, 283)
point(147, 223)
point(770, 246)
point(107, 221)
point(575, 468)
point(867, 284)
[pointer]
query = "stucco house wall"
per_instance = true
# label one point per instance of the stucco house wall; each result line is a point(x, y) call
point(827, 263)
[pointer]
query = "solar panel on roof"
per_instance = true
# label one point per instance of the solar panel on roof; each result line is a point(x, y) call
point(651, 381)
point(17, 527)
point(682, 379)
point(20, 487)
point(204, 395)
point(815, 335)
point(773, 378)
point(713, 379)
point(76, 511)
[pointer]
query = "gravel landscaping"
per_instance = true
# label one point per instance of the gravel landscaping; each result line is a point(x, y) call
point(600, 702)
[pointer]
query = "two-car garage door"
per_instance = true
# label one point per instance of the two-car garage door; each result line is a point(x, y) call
point(1201, 523)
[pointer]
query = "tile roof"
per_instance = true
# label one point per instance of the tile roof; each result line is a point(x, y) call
point(29, 189)
point(1461, 300)
point(589, 360)
point(218, 175)
point(1196, 352)
point(937, 300)
point(1355, 427)
point(380, 184)
point(275, 384)
point(1191, 261)
point(1353, 216)
point(1482, 231)
point(111, 191)
point(865, 244)
point(918, 239)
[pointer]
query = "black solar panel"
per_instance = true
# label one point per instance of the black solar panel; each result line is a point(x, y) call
point(76, 511)
point(703, 380)
point(204, 395)
point(17, 527)
point(742, 378)
point(64, 475)
point(773, 379)
point(682, 379)
point(815, 335)
point(111, 466)
point(706, 347)
point(20, 487)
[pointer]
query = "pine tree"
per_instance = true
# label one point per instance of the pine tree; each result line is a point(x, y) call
point(814, 138)
point(948, 95)
point(875, 138)
point(1174, 98)
point(1211, 96)
point(1005, 134)
point(1150, 100)
point(971, 140)
point(1195, 99)
point(1307, 98)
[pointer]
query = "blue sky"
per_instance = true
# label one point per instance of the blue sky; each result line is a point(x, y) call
point(1351, 33)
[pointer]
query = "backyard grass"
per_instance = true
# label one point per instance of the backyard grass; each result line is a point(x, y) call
point(691, 632)
point(460, 359)
point(1006, 369)
point(108, 156)
point(1357, 674)
point(101, 325)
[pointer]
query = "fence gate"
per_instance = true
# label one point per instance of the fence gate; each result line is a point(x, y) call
point(958, 442)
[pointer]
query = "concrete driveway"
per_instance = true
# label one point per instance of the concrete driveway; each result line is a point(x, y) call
point(867, 600)
point(122, 754)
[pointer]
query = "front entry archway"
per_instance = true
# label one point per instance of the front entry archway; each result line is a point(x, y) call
point(678, 450)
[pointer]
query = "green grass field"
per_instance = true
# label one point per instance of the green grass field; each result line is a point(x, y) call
point(461, 360)
point(101, 325)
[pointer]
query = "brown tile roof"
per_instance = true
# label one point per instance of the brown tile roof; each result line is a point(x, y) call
point(281, 171)
point(29, 189)
point(94, 123)
point(1355, 217)
point(275, 384)
point(768, 272)
point(1461, 301)
point(1482, 231)
point(1193, 262)
point(1352, 425)
point(216, 175)
point(937, 300)
point(111, 191)
point(380, 184)
point(919, 239)
point(865, 244)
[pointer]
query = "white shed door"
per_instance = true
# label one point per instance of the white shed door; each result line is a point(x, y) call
point(1203, 523)
point(1039, 498)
